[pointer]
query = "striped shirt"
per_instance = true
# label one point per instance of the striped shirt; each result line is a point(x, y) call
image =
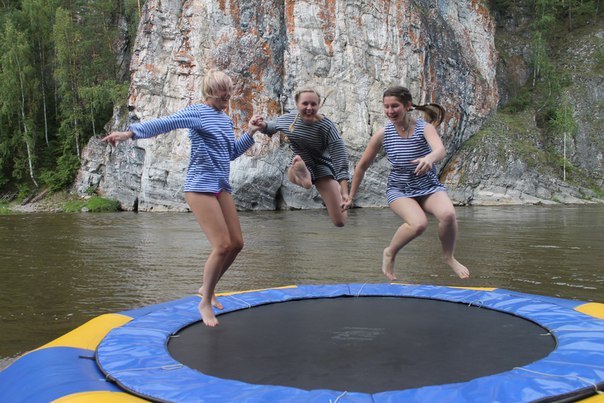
point(402, 181)
point(318, 144)
point(213, 144)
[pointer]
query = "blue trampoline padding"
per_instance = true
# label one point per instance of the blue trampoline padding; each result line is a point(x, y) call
point(135, 313)
point(568, 303)
point(51, 373)
point(136, 356)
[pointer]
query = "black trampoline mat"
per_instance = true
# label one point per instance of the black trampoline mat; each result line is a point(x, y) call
point(363, 344)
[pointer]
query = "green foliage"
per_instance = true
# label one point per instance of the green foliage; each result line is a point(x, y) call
point(563, 121)
point(520, 102)
point(23, 191)
point(95, 204)
point(62, 176)
point(59, 82)
point(101, 205)
point(599, 59)
point(4, 209)
point(74, 206)
point(502, 6)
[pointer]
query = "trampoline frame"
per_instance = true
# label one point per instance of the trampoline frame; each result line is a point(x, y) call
point(136, 356)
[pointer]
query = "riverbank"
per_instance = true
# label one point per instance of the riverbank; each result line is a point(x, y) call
point(64, 201)
point(60, 202)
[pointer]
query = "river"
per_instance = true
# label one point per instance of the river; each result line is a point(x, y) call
point(59, 270)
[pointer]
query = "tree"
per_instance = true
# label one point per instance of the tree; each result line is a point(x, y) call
point(17, 83)
point(39, 16)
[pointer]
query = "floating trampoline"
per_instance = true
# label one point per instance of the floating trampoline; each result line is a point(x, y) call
point(328, 343)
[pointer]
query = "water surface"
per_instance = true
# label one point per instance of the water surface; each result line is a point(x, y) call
point(59, 270)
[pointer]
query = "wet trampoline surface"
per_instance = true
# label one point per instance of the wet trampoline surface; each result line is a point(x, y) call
point(361, 344)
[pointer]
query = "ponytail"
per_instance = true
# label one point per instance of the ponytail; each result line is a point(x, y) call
point(433, 113)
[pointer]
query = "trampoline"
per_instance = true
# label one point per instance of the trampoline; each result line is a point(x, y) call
point(327, 343)
point(368, 344)
point(362, 343)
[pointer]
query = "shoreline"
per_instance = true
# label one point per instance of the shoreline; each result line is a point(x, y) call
point(47, 202)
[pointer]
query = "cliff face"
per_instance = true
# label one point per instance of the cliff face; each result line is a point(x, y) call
point(442, 51)
point(512, 160)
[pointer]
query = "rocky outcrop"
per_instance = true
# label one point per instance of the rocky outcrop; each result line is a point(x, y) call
point(442, 51)
point(509, 161)
point(503, 164)
point(350, 49)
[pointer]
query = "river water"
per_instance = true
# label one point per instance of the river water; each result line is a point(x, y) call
point(57, 271)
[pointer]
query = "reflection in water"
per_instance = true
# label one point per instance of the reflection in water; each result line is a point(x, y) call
point(59, 270)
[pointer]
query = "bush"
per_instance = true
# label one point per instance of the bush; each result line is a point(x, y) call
point(94, 205)
point(4, 209)
point(101, 205)
point(520, 102)
point(63, 175)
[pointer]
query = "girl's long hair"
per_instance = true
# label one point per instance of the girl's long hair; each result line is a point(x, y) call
point(433, 113)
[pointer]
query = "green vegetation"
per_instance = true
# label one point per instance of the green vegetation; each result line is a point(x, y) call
point(63, 70)
point(60, 80)
point(510, 136)
point(599, 59)
point(544, 147)
point(4, 209)
point(95, 204)
point(551, 19)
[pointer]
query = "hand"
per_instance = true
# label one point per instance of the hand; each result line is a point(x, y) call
point(114, 137)
point(256, 123)
point(346, 204)
point(423, 165)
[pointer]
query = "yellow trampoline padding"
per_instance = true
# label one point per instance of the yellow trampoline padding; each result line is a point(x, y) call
point(100, 397)
point(462, 288)
point(594, 309)
point(90, 334)
point(476, 288)
point(593, 399)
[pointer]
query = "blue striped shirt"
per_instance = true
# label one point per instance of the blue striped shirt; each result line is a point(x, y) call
point(213, 144)
point(402, 180)
point(318, 144)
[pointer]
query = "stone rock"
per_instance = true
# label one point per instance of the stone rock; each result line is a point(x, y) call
point(350, 50)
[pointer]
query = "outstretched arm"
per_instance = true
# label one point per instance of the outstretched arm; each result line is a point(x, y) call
point(374, 146)
point(114, 137)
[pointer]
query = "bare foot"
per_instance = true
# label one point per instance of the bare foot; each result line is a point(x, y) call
point(459, 269)
point(207, 315)
point(388, 265)
point(215, 303)
point(299, 173)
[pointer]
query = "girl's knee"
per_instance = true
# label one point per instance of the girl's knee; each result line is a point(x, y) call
point(339, 221)
point(419, 227)
point(448, 218)
point(229, 246)
point(237, 245)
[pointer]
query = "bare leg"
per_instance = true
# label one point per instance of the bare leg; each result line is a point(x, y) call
point(329, 190)
point(439, 205)
point(298, 173)
point(415, 224)
point(215, 302)
point(388, 264)
point(217, 217)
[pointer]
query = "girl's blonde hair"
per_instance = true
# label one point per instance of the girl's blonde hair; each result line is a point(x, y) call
point(433, 113)
point(215, 81)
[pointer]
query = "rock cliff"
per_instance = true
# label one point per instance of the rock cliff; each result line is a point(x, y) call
point(442, 51)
